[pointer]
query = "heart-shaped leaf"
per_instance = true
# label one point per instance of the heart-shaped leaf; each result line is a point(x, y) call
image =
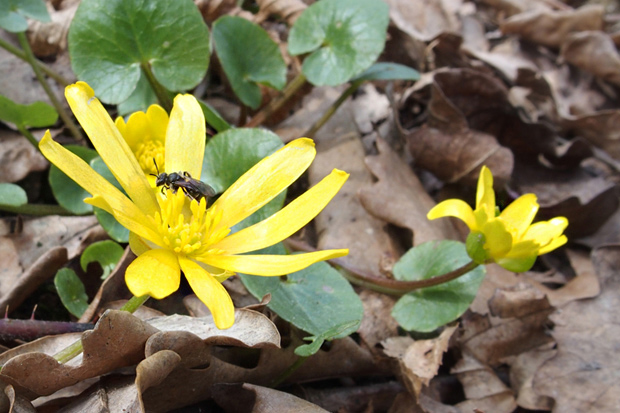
point(13, 14)
point(71, 291)
point(37, 114)
point(429, 308)
point(107, 253)
point(109, 41)
point(249, 57)
point(344, 38)
point(12, 195)
point(388, 71)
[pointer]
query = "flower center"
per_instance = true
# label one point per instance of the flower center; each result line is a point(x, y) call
point(147, 151)
point(187, 226)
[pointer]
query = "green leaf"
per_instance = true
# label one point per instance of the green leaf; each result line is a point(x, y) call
point(107, 253)
point(427, 309)
point(114, 229)
point(12, 195)
point(71, 291)
point(343, 37)
point(37, 114)
point(109, 40)
point(13, 14)
point(388, 71)
point(249, 57)
point(229, 154)
point(69, 194)
point(213, 118)
point(140, 100)
point(317, 300)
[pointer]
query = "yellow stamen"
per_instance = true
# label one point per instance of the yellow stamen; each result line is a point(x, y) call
point(147, 151)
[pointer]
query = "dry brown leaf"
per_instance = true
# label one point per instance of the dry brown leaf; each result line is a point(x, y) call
point(408, 200)
point(522, 373)
point(153, 370)
point(289, 10)
point(551, 28)
point(518, 301)
point(512, 7)
point(249, 398)
point(427, 19)
point(496, 277)
point(584, 375)
point(419, 360)
point(377, 323)
point(19, 404)
point(50, 39)
point(594, 52)
point(345, 222)
point(212, 9)
point(483, 389)
point(18, 157)
point(601, 129)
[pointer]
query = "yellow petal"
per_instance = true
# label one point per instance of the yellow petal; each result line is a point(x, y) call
point(264, 181)
point(288, 220)
point(454, 208)
point(111, 145)
point(555, 243)
point(272, 265)
point(544, 232)
point(524, 249)
point(498, 238)
point(210, 292)
point(519, 215)
point(156, 273)
point(158, 122)
point(105, 195)
point(185, 137)
point(137, 244)
point(485, 195)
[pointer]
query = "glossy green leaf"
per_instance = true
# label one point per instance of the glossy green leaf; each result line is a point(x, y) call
point(388, 71)
point(107, 253)
point(343, 37)
point(213, 118)
point(140, 100)
point(317, 300)
point(13, 14)
point(12, 195)
point(427, 309)
point(69, 194)
point(249, 57)
point(229, 154)
point(109, 40)
point(71, 291)
point(37, 114)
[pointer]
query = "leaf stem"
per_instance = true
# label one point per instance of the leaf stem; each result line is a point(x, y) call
point(289, 91)
point(160, 91)
point(45, 68)
point(332, 109)
point(24, 131)
point(287, 373)
point(74, 350)
point(23, 41)
point(38, 210)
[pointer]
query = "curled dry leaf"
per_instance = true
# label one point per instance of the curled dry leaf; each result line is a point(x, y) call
point(153, 370)
point(50, 39)
point(522, 373)
point(551, 28)
point(245, 397)
point(585, 373)
point(418, 360)
point(18, 157)
point(512, 7)
point(427, 19)
point(211, 10)
point(517, 301)
point(594, 52)
point(289, 10)
point(600, 128)
point(408, 200)
point(483, 389)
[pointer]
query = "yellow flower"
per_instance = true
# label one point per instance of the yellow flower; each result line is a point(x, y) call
point(171, 233)
point(145, 133)
point(509, 238)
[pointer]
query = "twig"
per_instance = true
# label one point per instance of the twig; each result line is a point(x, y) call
point(289, 91)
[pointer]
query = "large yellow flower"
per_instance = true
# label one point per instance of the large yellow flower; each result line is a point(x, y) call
point(509, 238)
point(171, 233)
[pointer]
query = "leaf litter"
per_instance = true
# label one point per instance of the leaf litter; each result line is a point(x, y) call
point(527, 88)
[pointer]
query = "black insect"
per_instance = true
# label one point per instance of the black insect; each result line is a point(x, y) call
point(193, 188)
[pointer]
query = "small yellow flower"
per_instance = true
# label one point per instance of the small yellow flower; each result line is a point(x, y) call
point(171, 233)
point(145, 133)
point(509, 238)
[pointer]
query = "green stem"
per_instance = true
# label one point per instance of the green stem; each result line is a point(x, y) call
point(333, 108)
point(24, 131)
point(287, 373)
point(74, 350)
point(23, 41)
point(37, 210)
point(394, 287)
point(45, 68)
point(160, 91)
point(289, 91)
